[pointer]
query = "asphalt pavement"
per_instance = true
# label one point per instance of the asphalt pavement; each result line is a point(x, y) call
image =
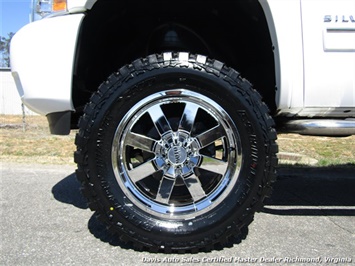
point(309, 220)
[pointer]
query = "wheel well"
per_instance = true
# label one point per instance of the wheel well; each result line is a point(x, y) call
point(115, 33)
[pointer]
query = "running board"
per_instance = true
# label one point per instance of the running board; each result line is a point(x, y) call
point(321, 127)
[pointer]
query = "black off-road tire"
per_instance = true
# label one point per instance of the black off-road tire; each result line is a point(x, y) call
point(175, 153)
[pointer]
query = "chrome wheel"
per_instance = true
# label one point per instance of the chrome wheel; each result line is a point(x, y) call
point(176, 154)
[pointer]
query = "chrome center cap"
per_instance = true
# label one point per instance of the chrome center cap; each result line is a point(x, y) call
point(177, 155)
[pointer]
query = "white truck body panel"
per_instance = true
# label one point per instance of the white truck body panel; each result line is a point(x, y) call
point(45, 86)
point(329, 53)
point(314, 59)
point(284, 19)
point(80, 5)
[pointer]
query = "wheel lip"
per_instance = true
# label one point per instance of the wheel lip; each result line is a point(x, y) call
point(194, 209)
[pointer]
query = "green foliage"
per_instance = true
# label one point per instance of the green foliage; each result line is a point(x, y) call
point(5, 49)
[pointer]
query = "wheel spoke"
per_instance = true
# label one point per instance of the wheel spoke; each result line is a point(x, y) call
point(214, 165)
point(139, 141)
point(211, 135)
point(160, 121)
point(165, 188)
point(188, 117)
point(195, 188)
point(142, 171)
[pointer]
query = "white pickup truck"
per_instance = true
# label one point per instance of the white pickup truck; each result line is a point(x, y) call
point(178, 103)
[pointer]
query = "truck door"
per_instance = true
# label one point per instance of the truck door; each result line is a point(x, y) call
point(329, 54)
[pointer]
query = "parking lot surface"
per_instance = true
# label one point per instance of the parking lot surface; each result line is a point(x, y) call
point(309, 220)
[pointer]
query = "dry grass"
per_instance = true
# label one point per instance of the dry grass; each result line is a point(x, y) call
point(326, 150)
point(36, 144)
